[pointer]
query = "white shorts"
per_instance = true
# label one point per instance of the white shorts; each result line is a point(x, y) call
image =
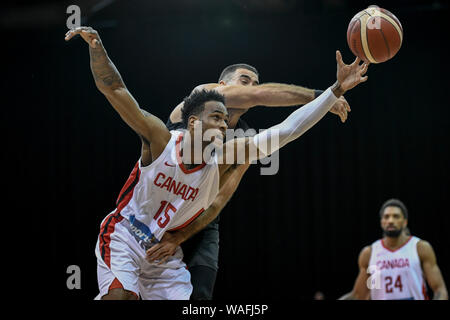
point(121, 258)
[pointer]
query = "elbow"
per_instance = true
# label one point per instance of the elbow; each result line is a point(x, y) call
point(109, 91)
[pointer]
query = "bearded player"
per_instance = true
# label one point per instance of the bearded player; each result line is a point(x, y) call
point(398, 264)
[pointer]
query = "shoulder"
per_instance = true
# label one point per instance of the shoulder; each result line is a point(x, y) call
point(424, 249)
point(364, 255)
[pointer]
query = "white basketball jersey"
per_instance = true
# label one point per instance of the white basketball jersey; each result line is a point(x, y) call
point(396, 274)
point(165, 195)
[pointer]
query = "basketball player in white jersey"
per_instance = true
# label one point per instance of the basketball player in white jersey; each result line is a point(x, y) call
point(167, 194)
point(240, 84)
point(397, 266)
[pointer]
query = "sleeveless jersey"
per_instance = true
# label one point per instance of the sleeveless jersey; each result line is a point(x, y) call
point(396, 274)
point(164, 195)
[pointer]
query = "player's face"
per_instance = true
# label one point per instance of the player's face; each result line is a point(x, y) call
point(393, 222)
point(215, 117)
point(243, 77)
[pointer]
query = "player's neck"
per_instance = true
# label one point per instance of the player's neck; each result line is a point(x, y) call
point(394, 243)
point(196, 157)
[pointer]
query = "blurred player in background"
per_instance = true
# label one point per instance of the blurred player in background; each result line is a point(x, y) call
point(397, 266)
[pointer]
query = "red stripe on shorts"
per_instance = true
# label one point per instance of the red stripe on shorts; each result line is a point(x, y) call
point(106, 230)
point(108, 226)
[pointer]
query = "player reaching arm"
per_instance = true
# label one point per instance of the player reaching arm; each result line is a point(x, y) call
point(109, 82)
point(348, 76)
point(239, 98)
point(301, 120)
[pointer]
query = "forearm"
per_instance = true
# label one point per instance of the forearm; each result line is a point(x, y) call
point(278, 94)
point(105, 74)
point(232, 179)
point(440, 294)
point(348, 296)
point(267, 94)
point(295, 125)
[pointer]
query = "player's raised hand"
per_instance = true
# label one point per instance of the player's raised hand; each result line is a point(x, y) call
point(350, 75)
point(87, 33)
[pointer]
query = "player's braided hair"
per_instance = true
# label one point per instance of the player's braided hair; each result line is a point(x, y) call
point(394, 203)
point(195, 103)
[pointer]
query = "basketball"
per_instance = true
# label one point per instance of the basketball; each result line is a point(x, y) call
point(375, 35)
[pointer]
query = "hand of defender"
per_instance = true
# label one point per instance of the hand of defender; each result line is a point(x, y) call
point(87, 33)
point(341, 108)
point(163, 250)
point(350, 75)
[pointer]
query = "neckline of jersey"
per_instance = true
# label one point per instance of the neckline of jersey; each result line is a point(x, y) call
point(180, 161)
point(394, 250)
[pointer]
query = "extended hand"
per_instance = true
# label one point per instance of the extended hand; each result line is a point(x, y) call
point(349, 76)
point(163, 250)
point(341, 108)
point(87, 33)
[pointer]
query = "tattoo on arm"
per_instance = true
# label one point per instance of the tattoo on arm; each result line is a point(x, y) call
point(104, 72)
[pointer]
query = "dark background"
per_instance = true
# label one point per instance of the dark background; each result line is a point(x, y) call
point(282, 237)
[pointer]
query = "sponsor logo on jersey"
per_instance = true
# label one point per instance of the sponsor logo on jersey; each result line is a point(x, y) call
point(393, 263)
point(177, 188)
point(140, 231)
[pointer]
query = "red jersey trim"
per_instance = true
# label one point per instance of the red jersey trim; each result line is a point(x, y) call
point(382, 243)
point(189, 221)
point(109, 225)
point(180, 162)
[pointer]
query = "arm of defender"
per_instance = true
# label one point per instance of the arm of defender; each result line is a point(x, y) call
point(268, 94)
point(431, 270)
point(171, 240)
point(110, 83)
point(301, 120)
point(175, 116)
point(360, 290)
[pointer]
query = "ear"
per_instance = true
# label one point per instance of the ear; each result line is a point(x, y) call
point(192, 120)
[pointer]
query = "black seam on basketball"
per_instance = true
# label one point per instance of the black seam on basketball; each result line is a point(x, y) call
point(386, 43)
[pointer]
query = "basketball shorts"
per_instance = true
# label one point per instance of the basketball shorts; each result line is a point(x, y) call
point(121, 263)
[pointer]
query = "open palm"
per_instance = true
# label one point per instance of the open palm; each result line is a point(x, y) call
point(350, 75)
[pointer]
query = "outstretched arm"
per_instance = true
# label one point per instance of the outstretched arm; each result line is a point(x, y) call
point(171, 240)
point(267, 94)
point(431, 270)
point(109, 82)
point(301, 120)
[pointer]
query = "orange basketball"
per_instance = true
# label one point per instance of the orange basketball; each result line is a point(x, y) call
point(375, 35)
